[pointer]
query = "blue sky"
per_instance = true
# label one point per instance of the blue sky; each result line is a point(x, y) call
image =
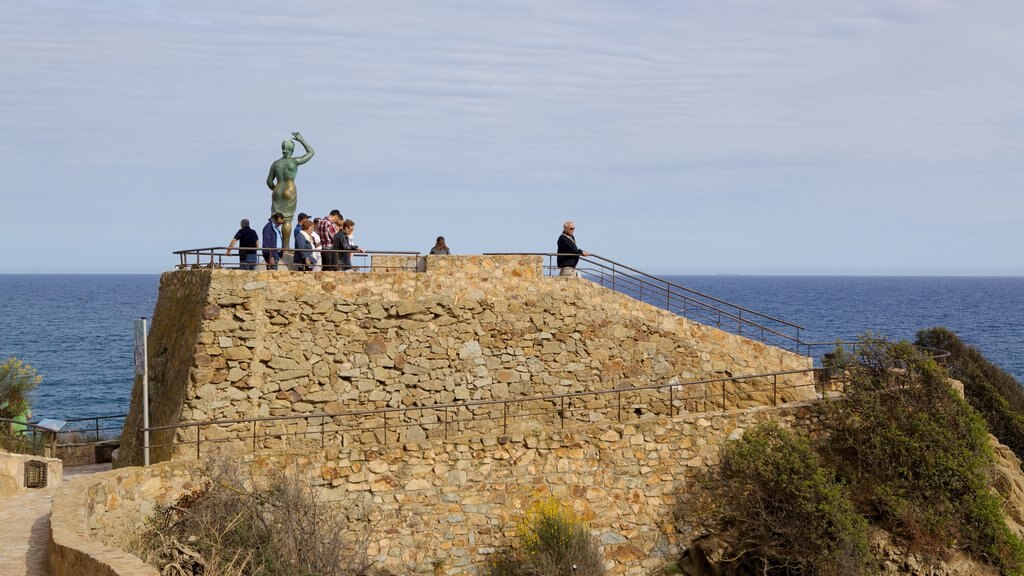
point(692, 137)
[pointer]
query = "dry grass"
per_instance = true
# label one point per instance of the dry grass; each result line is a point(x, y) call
point(239, 525)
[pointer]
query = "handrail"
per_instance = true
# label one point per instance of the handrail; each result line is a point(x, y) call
point(96, 428)
point(475, 403)
point(34, 427)
point(558, 402)
point(936, 354)
point(694, 304)
point(41, 442)
point(215, 257)
point(695, 292)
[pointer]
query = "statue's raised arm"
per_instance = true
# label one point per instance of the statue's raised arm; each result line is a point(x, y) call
point(305, 146)
point(281, 180)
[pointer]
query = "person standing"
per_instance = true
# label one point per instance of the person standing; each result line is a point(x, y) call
point(246, 238)
point(304, 246)
point(272, 240)
point(327, 228)
point(568, 252)
point(440, 247)
point(343, 241)
point(299, 221)
point(317, 244)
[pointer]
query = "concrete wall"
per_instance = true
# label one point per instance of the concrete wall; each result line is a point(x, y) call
point(434, 507)
point(236, 344)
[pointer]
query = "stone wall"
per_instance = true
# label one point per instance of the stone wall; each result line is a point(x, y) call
point(240, 344)
point(172, 346)
point(434, 507)
point(12, 472)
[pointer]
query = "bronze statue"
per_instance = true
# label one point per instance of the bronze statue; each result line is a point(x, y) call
point(281, 181)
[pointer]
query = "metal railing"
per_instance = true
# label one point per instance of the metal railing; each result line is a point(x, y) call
point(92, 429)
point(450, 421)
point(27, 438)
point(826, 348)
point(219, 257)
point(681, 300)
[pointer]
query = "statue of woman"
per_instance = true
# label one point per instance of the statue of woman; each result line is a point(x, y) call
point(281, 181)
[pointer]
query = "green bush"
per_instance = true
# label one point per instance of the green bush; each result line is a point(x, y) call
point(915, 455)
point(554, 541)
point(991, 391)
point(782, 512)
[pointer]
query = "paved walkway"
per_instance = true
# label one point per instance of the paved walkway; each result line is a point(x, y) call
point(25, 528)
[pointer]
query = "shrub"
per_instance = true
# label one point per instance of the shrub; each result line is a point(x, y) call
point(991, 391)
point(279, 528)
point(554, 541)
point(916, 456)
point(17, 379)
point(782, 512)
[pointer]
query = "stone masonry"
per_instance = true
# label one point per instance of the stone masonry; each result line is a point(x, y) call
point(435, 507)
point(229, 344)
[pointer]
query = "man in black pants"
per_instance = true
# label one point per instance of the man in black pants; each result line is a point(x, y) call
point(568, 252)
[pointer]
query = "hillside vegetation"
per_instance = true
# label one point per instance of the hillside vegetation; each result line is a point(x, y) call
point(990, 390)
point(900, 450)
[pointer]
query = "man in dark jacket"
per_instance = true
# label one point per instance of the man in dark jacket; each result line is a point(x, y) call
point(246, 238)
point(568, 252)
point(272, 238)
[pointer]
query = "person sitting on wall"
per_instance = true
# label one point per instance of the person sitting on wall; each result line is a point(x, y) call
point(343, 241)
point(247, 238)
point(440, 247)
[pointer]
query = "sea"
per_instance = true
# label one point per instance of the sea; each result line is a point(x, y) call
point(76, 330)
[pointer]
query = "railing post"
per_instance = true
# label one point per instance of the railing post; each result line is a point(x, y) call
point(504, 419)
point(618, 405)
point(385, 427)
point(97, 420)
point(323, 432)
point(561, 413)
point(253, 435)
point(199, 433)
point(445, 422)
point(775, 389)
point(723, 395)
point(671, 404)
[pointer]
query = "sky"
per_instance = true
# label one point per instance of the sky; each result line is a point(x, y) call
point(681, 136)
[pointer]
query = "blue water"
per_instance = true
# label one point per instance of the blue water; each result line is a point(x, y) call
point(76, 330)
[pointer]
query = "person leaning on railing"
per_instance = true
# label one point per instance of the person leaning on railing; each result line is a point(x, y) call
point(568, 252)
point(246, 238)
point(343, 241)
